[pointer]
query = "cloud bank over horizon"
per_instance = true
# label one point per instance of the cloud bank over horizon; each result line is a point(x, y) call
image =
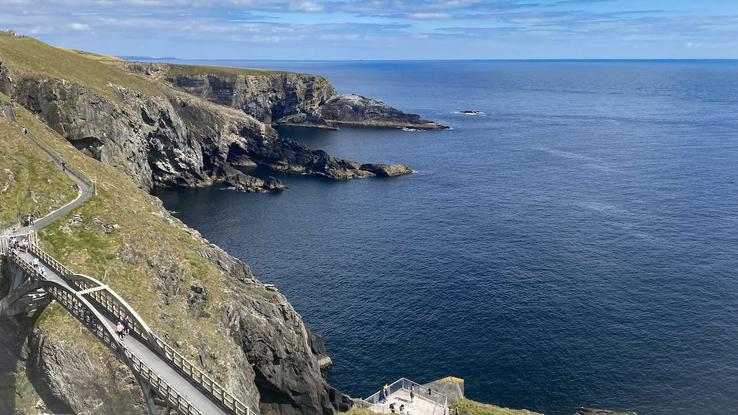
point(383, 29)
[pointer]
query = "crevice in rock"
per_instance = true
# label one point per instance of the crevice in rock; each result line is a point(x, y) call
point(269, 392)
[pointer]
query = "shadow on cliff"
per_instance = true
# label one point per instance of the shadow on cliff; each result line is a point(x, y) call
point(20, 382)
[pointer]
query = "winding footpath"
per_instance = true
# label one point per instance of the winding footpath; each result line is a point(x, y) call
point(168, 380)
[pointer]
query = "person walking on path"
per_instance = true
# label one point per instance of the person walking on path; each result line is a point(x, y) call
point(64, 166)
point(412, 395)
point(120, 330)
point(126, 325)
point(385, 392)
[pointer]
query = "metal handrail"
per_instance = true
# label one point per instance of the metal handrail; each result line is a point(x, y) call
point(5, 240)
point(89, 316)
point(438, 398)
point(116, 307)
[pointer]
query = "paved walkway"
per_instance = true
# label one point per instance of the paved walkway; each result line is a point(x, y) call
point(180, 383)
point(8, 112)
point(84, 194)
point(148, 357)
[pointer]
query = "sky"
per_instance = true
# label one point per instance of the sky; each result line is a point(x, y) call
point(383, 29)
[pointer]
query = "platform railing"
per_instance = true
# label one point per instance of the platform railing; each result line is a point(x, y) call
point(439, 400)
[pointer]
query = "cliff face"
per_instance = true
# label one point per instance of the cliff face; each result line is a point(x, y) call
point(173, 139)
point(206, 303)
point(266, 96)
point(281, 97)
point(203, 301)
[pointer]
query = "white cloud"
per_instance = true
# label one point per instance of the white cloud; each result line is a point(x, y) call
point(306, 6)
point(429, 16)
point(79, 26)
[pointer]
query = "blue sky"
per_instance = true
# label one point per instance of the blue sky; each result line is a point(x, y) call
point(383, 29)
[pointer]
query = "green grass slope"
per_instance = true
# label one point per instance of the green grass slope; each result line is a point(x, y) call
point(223, 71)
point(469, 407)
point(128, 241)
point(35, 58)
point(29, 181)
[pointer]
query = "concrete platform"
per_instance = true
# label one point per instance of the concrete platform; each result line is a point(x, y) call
point(418, 406)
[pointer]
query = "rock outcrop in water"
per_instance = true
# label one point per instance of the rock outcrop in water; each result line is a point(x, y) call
point(591, 411)
point(237, 180)
point(282, 97)
point(368, 112)
point(387, 170)
point(169, 138)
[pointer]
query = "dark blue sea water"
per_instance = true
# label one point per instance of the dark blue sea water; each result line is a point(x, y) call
point(577, 245)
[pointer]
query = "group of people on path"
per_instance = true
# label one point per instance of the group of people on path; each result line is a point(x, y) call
point(18, 243)
point(384, 394)
point(37, 266)
point(22, 243)
point(393, 408)
point(123, 328)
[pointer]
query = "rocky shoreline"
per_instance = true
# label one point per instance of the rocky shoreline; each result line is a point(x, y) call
point(173, 138)
point(282, 98)
point(154, 134)
point(192, 130)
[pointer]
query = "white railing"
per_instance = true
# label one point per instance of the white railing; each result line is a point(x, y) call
point(26, 239)
point(83, 311)
point(439, 400)
point(113, 305)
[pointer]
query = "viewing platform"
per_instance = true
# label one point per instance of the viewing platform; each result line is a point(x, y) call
point(410, 398)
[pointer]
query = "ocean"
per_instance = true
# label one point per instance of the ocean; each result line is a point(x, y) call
point(576, 244)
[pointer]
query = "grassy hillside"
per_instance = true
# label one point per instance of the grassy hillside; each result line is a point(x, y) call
point(29, 180)
point(96, 56)
point(32, 57)
point(223, 71)
point(127, 240)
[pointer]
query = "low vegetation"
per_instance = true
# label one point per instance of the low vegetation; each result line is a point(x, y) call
point(469, 407)
point(223, 71)
point(96, 56)
point(32, 57)
point(125, 238)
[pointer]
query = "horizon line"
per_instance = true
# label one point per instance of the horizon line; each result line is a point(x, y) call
point(128, 57)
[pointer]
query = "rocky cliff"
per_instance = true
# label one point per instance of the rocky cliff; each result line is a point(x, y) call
point(166, 140)
point(281, 97)
point(162, 136)
point(203, 301)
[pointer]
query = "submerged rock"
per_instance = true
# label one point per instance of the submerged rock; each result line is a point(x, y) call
point(591, 411)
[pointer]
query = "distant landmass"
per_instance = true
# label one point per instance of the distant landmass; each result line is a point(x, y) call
point(149, 58)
